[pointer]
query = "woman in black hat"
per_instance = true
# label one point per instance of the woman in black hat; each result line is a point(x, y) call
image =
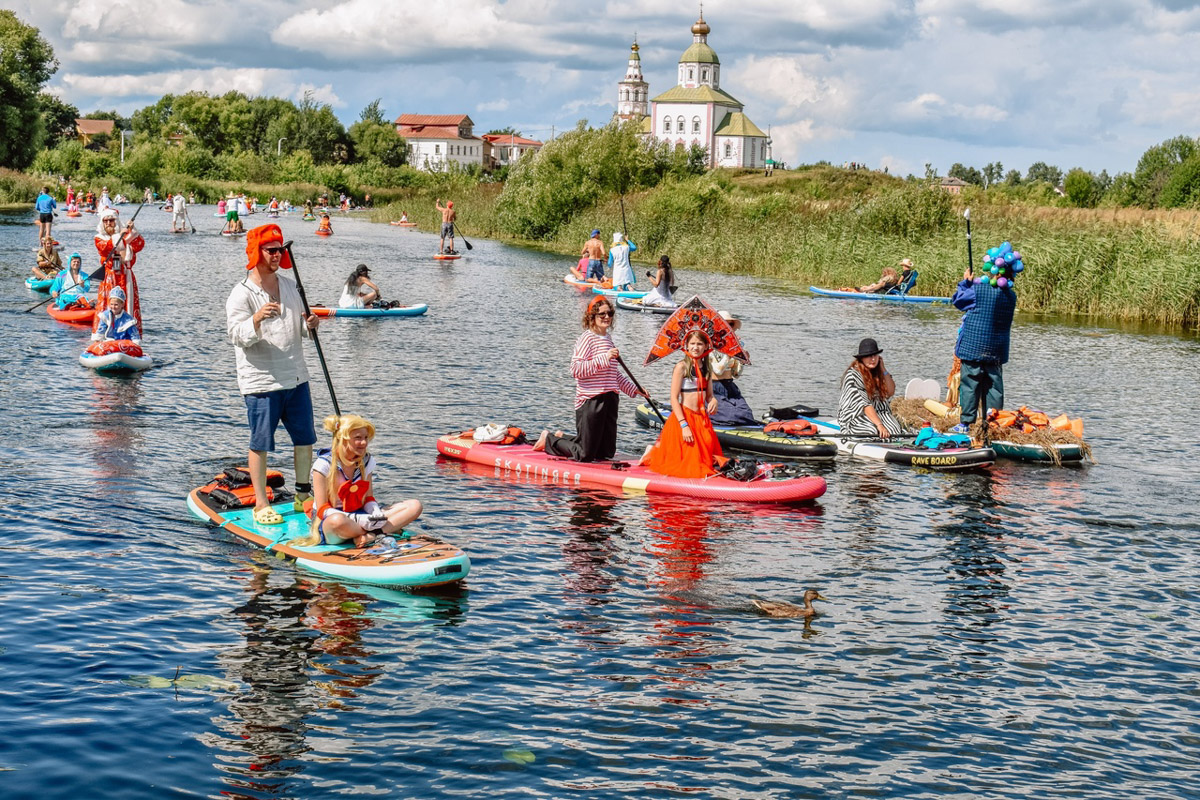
point(360, 291)
point(863, 411)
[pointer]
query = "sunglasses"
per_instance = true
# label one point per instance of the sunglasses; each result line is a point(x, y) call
point(273, 249)
point(604, 313)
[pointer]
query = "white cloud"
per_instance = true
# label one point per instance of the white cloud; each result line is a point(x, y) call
point(320, 94)
point(494, 105)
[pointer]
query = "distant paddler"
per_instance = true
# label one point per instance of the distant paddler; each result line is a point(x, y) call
point(449, 215)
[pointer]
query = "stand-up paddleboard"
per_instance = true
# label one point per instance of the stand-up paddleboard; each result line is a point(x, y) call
point(902, 451)
point(233, 233)
point(753, 439)
point(447, 256)
point(635, 304)
point(322, 232)
point(887, 298)
point(406, 224)
point(38, 284)
point(578, 283)
point(615, 293)
point(416, 562)
point(523, 461)
point(73, 315)
point(402, 311)
point(115, 358)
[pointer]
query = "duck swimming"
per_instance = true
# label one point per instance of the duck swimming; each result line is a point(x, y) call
point(780, 608)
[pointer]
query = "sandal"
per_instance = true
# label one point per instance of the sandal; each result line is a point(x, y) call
point(267, 516)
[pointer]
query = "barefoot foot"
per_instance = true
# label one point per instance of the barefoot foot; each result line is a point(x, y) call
point(540, 444)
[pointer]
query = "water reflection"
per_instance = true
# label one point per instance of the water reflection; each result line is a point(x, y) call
point(974, 540)
point(589, 548)
point(117, 438)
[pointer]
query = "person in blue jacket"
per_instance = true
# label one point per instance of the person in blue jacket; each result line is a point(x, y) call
point(70, 286)
point(983, 341)
point(115, 324)
point(45, 206)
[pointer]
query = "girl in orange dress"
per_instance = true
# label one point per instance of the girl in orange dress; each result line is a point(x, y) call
point(688, 446)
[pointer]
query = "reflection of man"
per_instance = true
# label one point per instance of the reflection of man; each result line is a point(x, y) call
point(265, 321)
point(448, 217)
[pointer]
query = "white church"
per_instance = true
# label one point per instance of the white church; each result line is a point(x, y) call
point(696, 111)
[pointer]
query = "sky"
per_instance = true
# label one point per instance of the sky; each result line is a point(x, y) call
point(895, 83)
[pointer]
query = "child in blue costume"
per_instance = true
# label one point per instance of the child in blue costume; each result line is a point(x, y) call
point(69, 286)
point(114, 323)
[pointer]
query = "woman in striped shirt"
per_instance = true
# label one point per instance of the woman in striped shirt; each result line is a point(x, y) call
point(863, 410)
point(597, 381)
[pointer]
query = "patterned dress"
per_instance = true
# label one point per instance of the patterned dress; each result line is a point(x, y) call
point(852, 410)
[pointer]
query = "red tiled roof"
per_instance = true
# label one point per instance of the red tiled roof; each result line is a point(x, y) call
point(504, 138)
point(90, 127)
point(435, 132)
point(432, 119)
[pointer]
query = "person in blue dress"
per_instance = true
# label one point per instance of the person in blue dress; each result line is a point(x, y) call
point(115, 323)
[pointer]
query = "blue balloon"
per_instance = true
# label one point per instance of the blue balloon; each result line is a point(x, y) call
point(1006, 248)
point(1018, 267)
point(994, 270)
point(993, 251)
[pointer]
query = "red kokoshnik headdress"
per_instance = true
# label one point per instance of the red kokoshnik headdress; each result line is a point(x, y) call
point(696, 315)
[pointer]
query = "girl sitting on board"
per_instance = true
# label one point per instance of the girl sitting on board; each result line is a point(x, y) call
point(687, 447)
point(49, 262)
point(325, 225)
point(344, 509)
point(863, 410)
point(663, 281)
point(115, 323)
point(359, 290)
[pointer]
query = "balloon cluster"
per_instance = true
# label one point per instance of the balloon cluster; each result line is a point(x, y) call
point(1001, 265)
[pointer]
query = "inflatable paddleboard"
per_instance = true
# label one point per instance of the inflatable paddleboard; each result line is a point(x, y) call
point(417, 562)
point(233, 233)
point(615, 293)
point(114, 361)
point(902, 451)
point(753, 439)
point(447, 256)
point(402, 311)
point(38, 284)
point(403, 224)
point(887, 298)
point(73, 315)
point(571, 280)
point(309, 218)
point(522, 461)
point(74, 214)
point(635, 304)
point(320, 232)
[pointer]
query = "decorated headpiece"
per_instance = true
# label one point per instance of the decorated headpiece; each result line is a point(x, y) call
point(696, 315)
point(116, 293)
point(1001, 265)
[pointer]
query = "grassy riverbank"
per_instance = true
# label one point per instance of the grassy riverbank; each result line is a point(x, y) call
point(831, 227)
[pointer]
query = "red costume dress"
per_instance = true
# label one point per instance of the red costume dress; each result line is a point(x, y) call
point(119, 274)
point(677, 458)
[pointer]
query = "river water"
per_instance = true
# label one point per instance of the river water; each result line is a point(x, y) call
point(1021, 632)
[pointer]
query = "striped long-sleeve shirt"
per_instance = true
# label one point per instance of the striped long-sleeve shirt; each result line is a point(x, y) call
point(594, 373)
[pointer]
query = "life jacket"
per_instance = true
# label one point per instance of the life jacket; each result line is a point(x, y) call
point(1028, 420)
point(510, 435)
point(232, 488)
point(792, 427)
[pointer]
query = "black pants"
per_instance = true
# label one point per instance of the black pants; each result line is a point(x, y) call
point(596, 431)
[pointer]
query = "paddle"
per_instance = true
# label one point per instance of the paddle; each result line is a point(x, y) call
point(188, 217)
point(99, 271)
point(308, 313)
point(653, 405)
point(970, 261)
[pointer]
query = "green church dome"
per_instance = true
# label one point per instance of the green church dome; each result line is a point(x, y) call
point(699, 53)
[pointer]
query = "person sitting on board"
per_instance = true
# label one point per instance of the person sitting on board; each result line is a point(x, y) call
point(449, 215)
point(888, 280)
point(265, 322)
point(114, 323)
point(359, 290)
point(906, 271)
point(618, 262)
point(326, 224)
point(863, 410)
point(593, 248)
point(687, 446)
point(49, 262)
point(579, 270)
point(344, 509)
point(597, 381)
point(118, 251)
point(732, 408)
point(69, 285)
point(404, 216)
point(662, 295)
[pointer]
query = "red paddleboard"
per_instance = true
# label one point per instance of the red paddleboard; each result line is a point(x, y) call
point(74, 315)
point(446, 256)
point(523, 461)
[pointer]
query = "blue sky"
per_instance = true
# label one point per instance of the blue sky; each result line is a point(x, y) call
point(895, 83)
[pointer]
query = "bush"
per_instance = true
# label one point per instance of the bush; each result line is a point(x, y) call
point(907, 212)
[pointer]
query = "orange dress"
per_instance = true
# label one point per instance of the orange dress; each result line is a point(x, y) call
point(121, 276)
point(673, 456)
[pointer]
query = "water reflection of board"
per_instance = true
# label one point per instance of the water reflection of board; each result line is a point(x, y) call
point(418, 561)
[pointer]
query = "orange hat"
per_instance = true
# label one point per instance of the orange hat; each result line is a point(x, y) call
point(257, 237)
point(449, 204)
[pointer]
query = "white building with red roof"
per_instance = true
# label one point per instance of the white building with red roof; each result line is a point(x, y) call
point(437, 140)
point(503, 149)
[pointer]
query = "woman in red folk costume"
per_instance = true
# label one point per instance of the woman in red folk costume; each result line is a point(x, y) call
point(118, 251)
point(688, 446)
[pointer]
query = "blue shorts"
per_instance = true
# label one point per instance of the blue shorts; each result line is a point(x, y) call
point(595, 269)
point(293, 407)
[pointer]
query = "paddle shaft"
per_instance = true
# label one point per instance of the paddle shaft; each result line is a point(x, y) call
point(99, 272)
point(653, 405)
point(312, 332)
point(970, 260)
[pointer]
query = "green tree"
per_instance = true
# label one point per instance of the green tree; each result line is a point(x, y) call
point(505, 131)
point(378, 141)
point(992, 173)
point(1081, 189)
point(58, 119)
point(1012, 177)
point(26, 63)
point(320, 133)
point(1041, 171)
point(373, 113)
point(1182, 189)
point(1156, 165)
point(968, 174)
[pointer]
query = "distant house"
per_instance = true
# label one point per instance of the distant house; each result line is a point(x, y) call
point(506, 148)
point(87, 129)
point(437, 140)
point(952, 185)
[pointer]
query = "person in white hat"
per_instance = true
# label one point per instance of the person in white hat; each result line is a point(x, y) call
point(618, 261)
point(732, 408)
point(118, 251)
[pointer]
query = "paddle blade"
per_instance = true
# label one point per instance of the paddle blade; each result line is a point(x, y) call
point(695, 314)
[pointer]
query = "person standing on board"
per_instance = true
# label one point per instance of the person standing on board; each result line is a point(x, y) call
point(45, 205)
point(265, 321)
point(448, 217)
point(982, 345)
point(618, 259)
point(118, 251)
point(593, 248)
point(597, 381)
point(178, 211)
